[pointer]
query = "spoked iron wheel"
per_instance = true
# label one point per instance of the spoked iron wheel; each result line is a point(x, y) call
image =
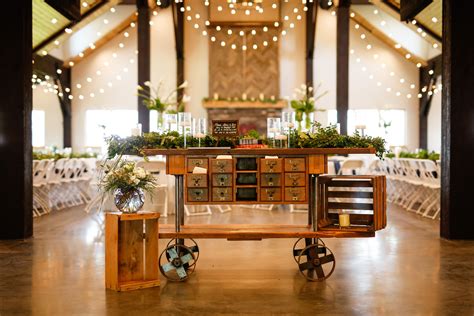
point(190, 243)
point(177, 262)
point(316, 262)
point(302, 243)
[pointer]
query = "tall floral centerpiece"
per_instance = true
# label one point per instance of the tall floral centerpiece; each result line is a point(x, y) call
point(127, 183)
point(303, 104)
point(161, 102)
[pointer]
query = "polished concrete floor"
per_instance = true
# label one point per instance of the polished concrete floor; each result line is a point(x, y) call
point(405, 270)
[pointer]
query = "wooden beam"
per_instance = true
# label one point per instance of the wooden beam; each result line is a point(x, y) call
point(16, 217)
point(178, 22)
point(342, 64)
point(143, 60)
point(387, 40)
point(410, 8)
point(311, 18)
point(71, 9)
point(89, 16)
point(457, 151)
point(103, 40)
point(394, 10)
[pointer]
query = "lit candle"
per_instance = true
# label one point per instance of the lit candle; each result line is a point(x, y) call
point(216, 96)
point(244, 96)
point(261, 96)
point(361, 127)
point(272, 98)
point(135, 131)
point(344, 220)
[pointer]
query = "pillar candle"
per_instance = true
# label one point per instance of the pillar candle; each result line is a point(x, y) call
point(344, 220)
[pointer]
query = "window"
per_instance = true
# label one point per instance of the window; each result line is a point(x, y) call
point(38, 128)
point(103, 123)
point(389, 124)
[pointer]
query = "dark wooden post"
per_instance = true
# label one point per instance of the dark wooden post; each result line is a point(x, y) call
point(16, 216)
point(143, 60)
point(342, 64)
point(427, 80)
point(178, 21)
point(64, 81)
point(48, 65)
point(457, 152)
point(311, 17)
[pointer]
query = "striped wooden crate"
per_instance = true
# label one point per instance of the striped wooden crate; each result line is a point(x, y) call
point(363, 197)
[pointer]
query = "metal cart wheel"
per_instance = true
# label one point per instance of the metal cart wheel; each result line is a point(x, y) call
point(300, 245)
point(193, 246)
point(180, 265)
point(316, 262)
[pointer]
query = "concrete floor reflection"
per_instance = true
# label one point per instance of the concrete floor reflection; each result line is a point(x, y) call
point(406, 269)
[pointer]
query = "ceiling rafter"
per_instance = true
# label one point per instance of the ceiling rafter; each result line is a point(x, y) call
point(387, 40)
point(104, 39)
point(61, 36)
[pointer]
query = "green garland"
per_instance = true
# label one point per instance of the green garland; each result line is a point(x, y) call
point(326, 137)
point(56, 156)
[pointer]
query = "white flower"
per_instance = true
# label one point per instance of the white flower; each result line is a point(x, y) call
point(186, 98)
point(303, 86)
point(147, 83)
point(183, 85)
point(139, 88)
point(310, 89)
point(140, 173)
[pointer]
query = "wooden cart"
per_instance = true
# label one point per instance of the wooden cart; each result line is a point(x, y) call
point(270, 176)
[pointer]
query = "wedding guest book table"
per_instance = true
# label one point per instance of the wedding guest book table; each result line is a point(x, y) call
point(270, 176)
point(131, 255)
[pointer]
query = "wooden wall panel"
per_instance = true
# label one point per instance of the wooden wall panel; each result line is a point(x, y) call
point(233, 72)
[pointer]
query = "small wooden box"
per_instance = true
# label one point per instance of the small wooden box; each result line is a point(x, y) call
point(131, 251)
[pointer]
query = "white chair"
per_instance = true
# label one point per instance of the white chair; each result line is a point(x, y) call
point(40, 187)
point(351, 166)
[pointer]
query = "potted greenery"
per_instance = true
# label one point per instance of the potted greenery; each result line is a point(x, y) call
point(304, 101)
point(127, 183)
point(154, 99)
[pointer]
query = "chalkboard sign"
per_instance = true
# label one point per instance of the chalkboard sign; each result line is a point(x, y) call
point(225, 128)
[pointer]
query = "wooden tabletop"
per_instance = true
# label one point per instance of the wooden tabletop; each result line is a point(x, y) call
point(259, 151)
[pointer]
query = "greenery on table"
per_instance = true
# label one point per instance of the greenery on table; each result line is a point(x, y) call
point(323, 137)
point(422, 154)
point(56, 156)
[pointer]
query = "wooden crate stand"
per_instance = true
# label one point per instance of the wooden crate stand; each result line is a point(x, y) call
point(131, 251)
point(363, 196)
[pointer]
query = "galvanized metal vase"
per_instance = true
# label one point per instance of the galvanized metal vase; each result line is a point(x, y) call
point(129, 201)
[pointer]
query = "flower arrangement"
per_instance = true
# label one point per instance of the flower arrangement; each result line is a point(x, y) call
point(127, 177)
point(155, 99)
point(304, 101)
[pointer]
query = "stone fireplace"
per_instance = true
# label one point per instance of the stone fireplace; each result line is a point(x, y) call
point(251, 115)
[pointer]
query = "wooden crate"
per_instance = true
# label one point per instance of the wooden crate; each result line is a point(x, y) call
point(363, 197)
point(131, 251)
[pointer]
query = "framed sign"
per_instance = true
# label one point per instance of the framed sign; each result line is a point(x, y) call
point(225, 128)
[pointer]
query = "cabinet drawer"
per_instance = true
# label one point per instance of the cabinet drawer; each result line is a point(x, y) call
point(270, 194)
point(197, 162)
point(295, 179)
point(222, 180)
point(295, 194)
point(198, 195)
point(222, 165)
point(270, 180)
point(196, 180)
point(271, 165)
point(222, 194)
point(295, 164)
